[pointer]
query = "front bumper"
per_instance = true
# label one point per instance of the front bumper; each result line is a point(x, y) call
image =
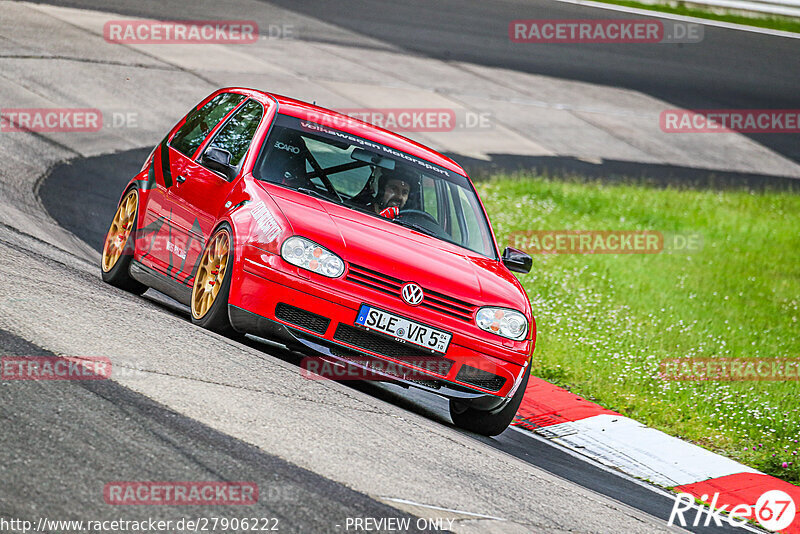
point(263, 290)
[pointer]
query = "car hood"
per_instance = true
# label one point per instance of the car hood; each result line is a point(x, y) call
point(394, 250)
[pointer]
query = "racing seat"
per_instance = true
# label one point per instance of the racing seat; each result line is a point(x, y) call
point(286, 162)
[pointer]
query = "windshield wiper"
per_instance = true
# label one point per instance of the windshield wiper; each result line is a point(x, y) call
point(318, 194)
point(416, 227)
point(427, 231)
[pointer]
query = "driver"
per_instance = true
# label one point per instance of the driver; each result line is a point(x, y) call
point(393, 190)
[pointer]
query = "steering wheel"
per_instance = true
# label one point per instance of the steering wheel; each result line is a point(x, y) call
point(417, 214)
point(423, 219)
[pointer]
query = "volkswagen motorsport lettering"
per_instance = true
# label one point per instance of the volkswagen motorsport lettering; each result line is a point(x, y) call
point(363, 142)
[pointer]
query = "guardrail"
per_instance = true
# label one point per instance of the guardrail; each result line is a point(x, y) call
point(787, 8)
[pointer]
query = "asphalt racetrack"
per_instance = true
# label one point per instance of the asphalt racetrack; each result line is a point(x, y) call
point(192, 405)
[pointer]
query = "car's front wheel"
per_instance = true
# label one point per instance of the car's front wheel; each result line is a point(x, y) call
point(212, 283)
point(119, 246)
point(491, 422)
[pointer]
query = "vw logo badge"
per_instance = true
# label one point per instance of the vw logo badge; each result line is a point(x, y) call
point(412, 294)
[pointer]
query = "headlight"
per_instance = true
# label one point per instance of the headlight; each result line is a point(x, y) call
point(503, 322)
point(308, 255)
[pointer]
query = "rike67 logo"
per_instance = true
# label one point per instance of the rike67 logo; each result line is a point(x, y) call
point(775, 510)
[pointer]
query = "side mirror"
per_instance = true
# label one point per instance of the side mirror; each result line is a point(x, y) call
point(219, 160)
point(517, 261)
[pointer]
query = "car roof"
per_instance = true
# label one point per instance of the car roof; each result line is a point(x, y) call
point(314, 113)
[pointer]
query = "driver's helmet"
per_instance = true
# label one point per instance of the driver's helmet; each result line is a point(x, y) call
point(411, 177)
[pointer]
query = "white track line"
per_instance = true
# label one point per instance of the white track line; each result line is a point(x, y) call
point(645, 452)
point(451, 510)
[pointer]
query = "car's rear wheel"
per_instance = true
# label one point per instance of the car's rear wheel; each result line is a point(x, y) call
point(119, 246)
point(212, 283)
point(492, 422)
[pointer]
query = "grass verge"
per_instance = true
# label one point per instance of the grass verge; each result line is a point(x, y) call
point(787, 24)
point(606, 321)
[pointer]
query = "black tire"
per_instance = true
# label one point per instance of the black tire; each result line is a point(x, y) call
point(119, 274)
point(216, 318)
point(488, 423)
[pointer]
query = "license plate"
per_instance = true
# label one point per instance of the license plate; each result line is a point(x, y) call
point(402, 329)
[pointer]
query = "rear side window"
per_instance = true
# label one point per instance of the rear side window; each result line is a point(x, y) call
point(237, 134)
point(200, 122)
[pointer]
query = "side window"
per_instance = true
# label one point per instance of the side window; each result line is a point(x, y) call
point(454, 222)
point(476, 237)
point(430, 201)
point(200, 122)
point(238, 132)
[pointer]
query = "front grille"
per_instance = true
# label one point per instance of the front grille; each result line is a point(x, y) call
point(390, 285)
point(306, 319)
point(480, 378)
point(381, 366)
point(392, 349)
point(433, 384)
point(449, 305)
point(374, 279)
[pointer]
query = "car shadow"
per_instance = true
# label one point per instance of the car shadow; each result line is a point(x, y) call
point(422, 403)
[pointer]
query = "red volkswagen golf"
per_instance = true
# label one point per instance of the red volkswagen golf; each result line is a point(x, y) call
point(274, 217)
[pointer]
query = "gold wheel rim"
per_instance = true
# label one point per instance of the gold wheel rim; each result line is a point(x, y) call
point(210, 274)
point(120, 231)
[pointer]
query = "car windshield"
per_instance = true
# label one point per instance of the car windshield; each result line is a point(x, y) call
point(367, 176)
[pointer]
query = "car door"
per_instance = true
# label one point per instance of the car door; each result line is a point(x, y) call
point(168, 240)
point(197, 199)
